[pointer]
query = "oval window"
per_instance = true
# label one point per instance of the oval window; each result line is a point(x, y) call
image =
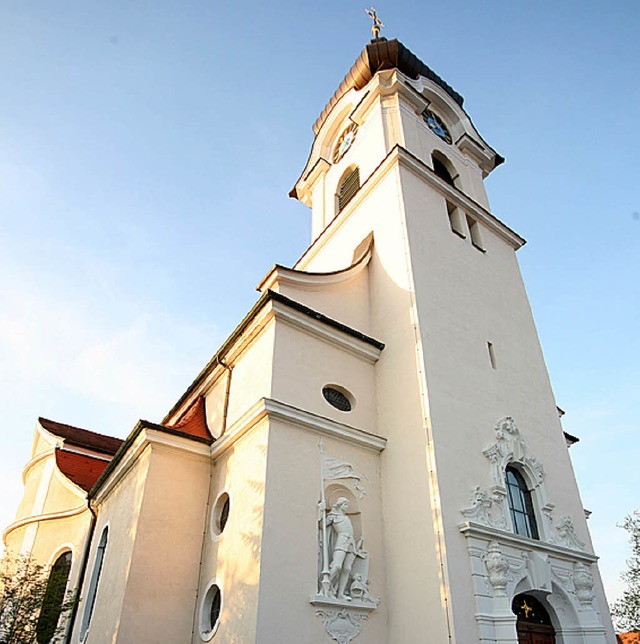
point(210, 612)
point(337, 397)
point(220, 514)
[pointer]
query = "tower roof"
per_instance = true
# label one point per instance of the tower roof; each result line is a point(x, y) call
point(377, 55)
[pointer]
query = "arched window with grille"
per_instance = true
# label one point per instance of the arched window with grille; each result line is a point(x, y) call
point(520, 504)
point(53, 600)
point(348, 186)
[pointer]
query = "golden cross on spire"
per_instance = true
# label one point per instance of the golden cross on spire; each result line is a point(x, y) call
point(377, 23)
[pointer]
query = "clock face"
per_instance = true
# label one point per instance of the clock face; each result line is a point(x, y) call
point(344, 142)
point(437, 126)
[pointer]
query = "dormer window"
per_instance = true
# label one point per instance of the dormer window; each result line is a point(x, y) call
point(348, 186)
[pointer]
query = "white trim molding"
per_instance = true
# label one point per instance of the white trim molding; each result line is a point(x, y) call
point(299, 418)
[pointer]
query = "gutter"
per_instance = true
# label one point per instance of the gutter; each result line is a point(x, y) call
point(83, 572)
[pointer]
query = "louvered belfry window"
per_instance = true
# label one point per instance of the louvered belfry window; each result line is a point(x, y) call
point(348, 187)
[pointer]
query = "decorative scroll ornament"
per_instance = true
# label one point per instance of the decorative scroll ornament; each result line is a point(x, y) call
point(498, 568)
point(583, 583)
point(342, 625)
point(488, 508)
point(510, 447)
point(566, 535)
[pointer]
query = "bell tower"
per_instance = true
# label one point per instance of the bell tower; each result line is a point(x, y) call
point(479, 503)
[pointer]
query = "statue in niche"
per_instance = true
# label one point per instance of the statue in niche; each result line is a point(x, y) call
point(342, 546)
point(344, 573)
point(343, 565)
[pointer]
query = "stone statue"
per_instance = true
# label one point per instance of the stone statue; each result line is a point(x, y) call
point(342, 546)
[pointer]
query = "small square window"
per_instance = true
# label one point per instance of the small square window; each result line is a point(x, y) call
point(474, 232)
point(455, 220)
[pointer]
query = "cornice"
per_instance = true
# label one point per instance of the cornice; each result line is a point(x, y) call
point(43, 517)
point(268, 408)
point(281, 275)
point(472, 529)
point(458, 197)
point(401, 156)
point(355, 346)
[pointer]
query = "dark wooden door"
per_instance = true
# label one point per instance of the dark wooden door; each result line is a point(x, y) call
point(535, 634)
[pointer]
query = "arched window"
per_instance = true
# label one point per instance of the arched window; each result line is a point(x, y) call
point(93, 585)
point(54, 598)
point(348, 186)
point(444, 168)
point(520, 504)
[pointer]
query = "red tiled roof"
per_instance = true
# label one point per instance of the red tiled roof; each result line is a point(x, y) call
point(81, 469)
point(194, 422)
point(629, 638)
point(82, 437)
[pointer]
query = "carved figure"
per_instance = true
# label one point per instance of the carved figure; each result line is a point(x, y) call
point(343, 548)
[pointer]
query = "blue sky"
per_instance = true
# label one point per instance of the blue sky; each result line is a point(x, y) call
point(146, 153)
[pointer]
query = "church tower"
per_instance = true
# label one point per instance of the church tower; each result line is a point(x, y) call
point(480, 512)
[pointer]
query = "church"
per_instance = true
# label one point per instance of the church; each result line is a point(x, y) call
point(374, 455)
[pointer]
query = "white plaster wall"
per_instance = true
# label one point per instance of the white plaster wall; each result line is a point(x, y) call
point(466, 298)
point(161, 586)
point(251, 378)
point(119, 511)
point(233, 558)
point(304, 364)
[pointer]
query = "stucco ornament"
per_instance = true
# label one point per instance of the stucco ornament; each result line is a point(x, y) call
point(583, 583)
point(566, 535)
point(497, 567)
point(510, 447)
point(488, 508)
point(334, 468)
point(342, 625)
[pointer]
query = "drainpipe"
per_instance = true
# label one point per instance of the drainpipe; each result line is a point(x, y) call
point(83, 572)
point(225, 409)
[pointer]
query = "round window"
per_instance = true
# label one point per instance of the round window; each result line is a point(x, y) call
point(210, 612)
point(338, 397)
point(220, 514)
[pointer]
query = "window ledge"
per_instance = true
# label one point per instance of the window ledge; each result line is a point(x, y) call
point(482, 250)
point(457, 232)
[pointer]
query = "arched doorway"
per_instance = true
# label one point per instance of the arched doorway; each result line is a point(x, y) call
point(533, 623)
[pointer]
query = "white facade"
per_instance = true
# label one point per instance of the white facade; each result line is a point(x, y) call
point(428, 333)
